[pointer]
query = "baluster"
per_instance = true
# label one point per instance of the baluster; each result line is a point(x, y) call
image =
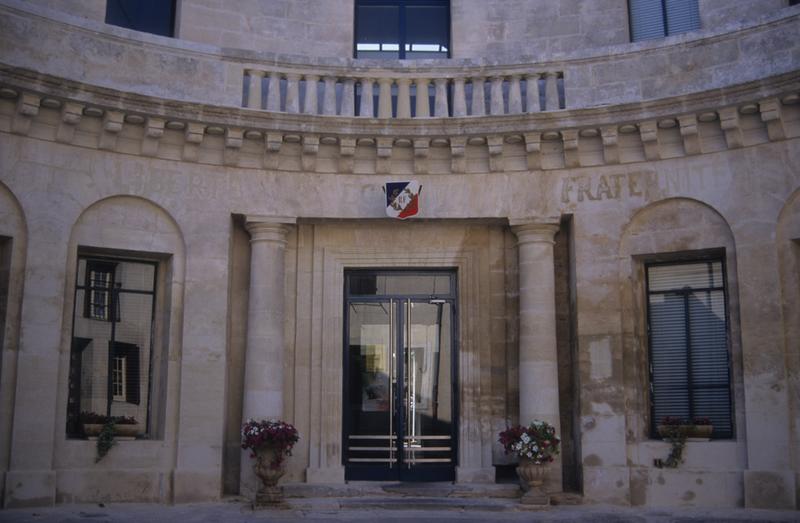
point(478, 97)
point(366, 109)
point(310, 104)
point(348, 97)
point(403, 98)
point(385, 97)
point(551, 91)
point(274, 93)
point(440, 100)
point(254, 92)
point(459, 98)
point(423, 105)
point(514, 95)
point(496, 103)
point(329, 99)
point(292, 93)
point(532, 93)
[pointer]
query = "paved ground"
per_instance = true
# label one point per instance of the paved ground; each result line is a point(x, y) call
point(331, 511)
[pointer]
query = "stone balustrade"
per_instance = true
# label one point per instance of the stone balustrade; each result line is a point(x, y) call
point(380, 95)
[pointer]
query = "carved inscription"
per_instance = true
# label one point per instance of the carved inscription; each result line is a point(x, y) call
point(603, 187)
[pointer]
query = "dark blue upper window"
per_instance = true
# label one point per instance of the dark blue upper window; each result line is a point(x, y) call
point(659, 18)
point(148, 16)
point(402, 29)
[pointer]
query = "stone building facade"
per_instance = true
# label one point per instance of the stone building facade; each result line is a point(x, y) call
point(188, 224)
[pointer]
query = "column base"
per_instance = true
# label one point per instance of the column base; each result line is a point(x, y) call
point(475, 475)
point(325, 475)
point(775, 489)
point(29, 488)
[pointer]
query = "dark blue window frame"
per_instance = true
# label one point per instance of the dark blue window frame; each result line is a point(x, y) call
point(403, 26)
point(147, 16)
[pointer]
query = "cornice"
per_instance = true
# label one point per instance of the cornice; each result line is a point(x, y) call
point(519, 142)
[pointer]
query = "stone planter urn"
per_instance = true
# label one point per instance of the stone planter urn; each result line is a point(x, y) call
point(269, 493)
point(532, 477)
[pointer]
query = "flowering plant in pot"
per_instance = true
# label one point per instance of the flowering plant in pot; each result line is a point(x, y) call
point(270, 441)
point(536, 445)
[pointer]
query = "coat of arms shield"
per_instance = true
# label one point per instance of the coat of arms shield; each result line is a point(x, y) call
point(402, 199)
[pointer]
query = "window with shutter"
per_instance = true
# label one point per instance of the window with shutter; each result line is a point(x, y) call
point(111, 362)
point(659, 18)
point(688, 337)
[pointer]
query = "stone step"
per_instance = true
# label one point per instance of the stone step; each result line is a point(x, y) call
point(369, 489)
point(427, 503)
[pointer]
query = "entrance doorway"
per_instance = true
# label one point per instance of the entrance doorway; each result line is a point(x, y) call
point(400, 399)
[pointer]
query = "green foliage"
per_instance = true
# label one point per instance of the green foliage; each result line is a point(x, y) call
point(676, 436)
point(105, 440)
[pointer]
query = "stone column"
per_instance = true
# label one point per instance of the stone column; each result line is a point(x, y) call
point(459, 98)
point(538, 366)
point(348, 97)
point(423, 107)
point(254, 92)
point(366, 109)
point(440, 105)
point(496, 103)
point(403, 98)
point(274, 92)
point(514, 95)
point(551, 91)
point(385, 97)
point(292, 93)
point(310, 103)
point(532, 93)
point(478, 97)
point(264, 357)
point(329, 100)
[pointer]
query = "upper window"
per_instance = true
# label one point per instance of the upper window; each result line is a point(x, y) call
point(688, 334)
point(113, 356)
point(402, 29)
point(148, 16)
point(659, 18)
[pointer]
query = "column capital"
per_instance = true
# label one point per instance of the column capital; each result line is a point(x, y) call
point(256, 72)
point(530, 230)
point(268, 228)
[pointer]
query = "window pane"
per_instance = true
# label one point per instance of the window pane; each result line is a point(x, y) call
point(377, 31)
point(149, 16)
point(426, 31)
point(689, 343)
point(682, 16)
point(371, 284)
point(699, 275)
point(647, 19)
point(135, 276)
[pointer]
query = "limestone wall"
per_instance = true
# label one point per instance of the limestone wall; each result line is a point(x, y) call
point(617, 453)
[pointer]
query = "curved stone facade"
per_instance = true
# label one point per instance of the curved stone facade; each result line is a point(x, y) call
point(247, 171)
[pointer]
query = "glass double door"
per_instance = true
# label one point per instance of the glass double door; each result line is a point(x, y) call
point(399, 398)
